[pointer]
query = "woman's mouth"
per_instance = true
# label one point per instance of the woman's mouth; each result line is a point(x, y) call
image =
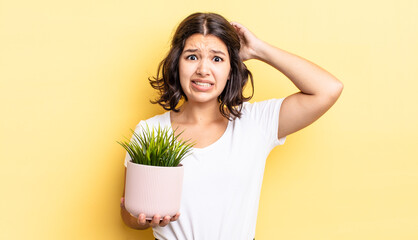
point(202, 86)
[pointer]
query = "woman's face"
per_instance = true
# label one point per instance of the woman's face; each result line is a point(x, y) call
point(204, 68)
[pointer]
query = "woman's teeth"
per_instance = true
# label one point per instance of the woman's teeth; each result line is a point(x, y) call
point(203, 84)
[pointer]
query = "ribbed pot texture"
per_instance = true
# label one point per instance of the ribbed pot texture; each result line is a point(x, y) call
point(153, 190)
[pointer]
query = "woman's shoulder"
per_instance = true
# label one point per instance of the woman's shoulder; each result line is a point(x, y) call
point(159, 119)
point(258, 105)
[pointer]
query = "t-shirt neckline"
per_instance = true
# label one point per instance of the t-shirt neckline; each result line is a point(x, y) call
point(209, 147)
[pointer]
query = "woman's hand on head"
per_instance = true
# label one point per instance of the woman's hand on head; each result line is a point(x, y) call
point(249, 42)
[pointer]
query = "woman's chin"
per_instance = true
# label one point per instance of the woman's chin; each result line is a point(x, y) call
point(202, 100)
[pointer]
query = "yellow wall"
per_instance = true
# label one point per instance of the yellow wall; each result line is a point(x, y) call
point(74, 80)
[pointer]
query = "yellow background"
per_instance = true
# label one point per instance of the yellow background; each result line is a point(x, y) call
point(74, 81)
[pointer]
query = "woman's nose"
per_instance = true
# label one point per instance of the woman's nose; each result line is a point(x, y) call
point(203, 68)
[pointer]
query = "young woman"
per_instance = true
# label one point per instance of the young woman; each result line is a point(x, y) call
point(223, 175)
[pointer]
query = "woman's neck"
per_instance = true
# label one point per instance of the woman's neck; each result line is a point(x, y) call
point(198, 113)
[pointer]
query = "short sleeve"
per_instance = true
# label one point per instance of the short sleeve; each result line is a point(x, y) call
point(266, 115)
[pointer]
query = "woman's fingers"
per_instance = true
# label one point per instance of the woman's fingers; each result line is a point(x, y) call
point(249, 42)
point(242, 31)
point(236, 25)
point(141, 219)
point(175, 217)
point(165, 221)
point(155, 221)
point(122, 202)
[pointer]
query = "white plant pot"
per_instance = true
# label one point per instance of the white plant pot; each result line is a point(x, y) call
point(153, 190)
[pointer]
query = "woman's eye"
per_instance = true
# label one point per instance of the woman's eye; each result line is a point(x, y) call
point(191, 57)
point(217, 59)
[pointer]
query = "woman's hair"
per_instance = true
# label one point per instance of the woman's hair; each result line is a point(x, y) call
point(167, 80)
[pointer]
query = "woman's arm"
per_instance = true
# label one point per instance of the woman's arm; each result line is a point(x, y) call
point(131, 221)
point(319, 90)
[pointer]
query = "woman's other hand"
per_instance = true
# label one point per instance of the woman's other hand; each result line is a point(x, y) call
point(249, 42)
point(156, 220)
point(143, 223)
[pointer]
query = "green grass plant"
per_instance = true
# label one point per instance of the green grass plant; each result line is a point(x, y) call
point(157, 147)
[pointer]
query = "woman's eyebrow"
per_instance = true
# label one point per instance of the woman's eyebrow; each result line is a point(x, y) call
point(218, 52)
point(197, 50)
point(191, 50)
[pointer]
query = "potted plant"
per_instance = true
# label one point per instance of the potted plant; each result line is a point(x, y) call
point(154, 176)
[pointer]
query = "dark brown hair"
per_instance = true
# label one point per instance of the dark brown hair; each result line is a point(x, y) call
point(167, 81)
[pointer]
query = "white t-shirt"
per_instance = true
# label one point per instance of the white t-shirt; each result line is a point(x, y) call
point(222, 182)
